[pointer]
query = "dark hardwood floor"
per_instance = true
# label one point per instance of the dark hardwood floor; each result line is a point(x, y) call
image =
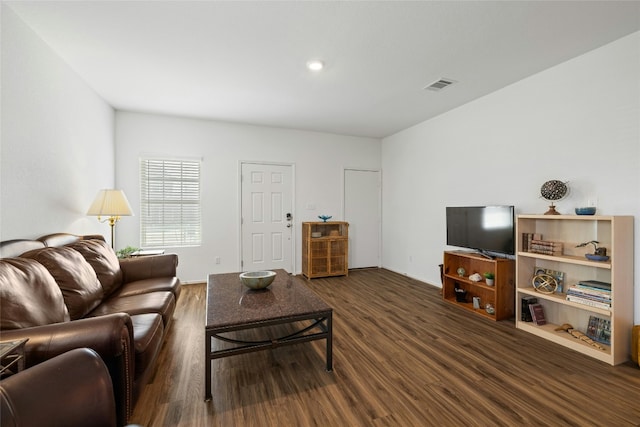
point(401, 358)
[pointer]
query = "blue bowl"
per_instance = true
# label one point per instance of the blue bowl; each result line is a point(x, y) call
point(586, 211)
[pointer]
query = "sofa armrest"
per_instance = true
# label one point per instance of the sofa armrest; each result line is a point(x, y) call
point(148, 267)
point(111, 336)
point(73, 389)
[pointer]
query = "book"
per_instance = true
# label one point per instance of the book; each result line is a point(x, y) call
point(588, 302)
point(545, 247)
point(546, 251)
point(527, 238)
point(603, 291)
point(525, 313)
point(537, 314)
point(599, 330)
point(598, 298)
point(596, 291)
point(589, 293)
point(546, 243)
point(596, 284)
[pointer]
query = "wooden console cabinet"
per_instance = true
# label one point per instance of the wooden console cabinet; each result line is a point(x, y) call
point(328, 253)
point(500, 295)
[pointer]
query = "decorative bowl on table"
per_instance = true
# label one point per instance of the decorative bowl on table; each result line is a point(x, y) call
point(591, 210)
point(325, 218)
point(257, 279)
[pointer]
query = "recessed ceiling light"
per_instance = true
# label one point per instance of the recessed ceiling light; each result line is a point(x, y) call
point(315, 65)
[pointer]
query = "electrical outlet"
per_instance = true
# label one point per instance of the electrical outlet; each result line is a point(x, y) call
point(592, 202)
point(217, 260)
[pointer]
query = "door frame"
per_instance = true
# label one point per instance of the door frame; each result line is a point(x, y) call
point(379, 211)
point(293, 208)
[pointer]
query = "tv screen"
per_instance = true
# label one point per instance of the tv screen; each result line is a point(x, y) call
point(484, 228)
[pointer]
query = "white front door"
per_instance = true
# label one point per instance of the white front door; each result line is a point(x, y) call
point(362, 212)
point(267, 217)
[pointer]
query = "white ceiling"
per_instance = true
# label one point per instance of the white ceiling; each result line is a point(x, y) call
point(244, 61)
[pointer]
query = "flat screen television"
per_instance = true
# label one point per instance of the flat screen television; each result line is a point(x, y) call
point(486, 229)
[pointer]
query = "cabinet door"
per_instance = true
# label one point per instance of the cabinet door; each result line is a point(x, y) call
point(319, 257)
point(338, 250)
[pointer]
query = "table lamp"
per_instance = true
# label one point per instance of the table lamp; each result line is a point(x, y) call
point(112, 204)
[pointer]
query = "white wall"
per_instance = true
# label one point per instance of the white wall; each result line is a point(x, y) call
point(319, 159)
point(577, 122)
point(56, 147)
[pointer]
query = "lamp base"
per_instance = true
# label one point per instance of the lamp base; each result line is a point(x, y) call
point(552, 211)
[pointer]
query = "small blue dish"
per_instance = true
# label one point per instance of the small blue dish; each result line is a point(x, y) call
point(593, 257)
point(586, 211)
point(324, 218)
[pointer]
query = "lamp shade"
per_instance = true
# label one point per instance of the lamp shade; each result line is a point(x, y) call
point(110, 203)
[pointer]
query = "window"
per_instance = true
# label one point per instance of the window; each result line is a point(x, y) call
point(169, 203)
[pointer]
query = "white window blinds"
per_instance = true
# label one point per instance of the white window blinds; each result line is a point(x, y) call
point(170, 203)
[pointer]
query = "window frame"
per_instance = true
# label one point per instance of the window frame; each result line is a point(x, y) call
point(170, 202)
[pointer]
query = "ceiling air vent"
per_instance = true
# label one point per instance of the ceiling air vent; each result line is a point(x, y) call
point(440, 84)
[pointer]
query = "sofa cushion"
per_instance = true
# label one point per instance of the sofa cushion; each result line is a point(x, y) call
point(162, 303)
point(148, 332)
point(29, 295)
point(104, 262)
point(157, 284)
point(75, 277)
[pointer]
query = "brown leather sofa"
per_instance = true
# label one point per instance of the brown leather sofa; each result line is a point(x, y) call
point(83, 393)
point(64, 291)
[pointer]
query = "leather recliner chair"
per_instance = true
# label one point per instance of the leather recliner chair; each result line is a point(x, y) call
point(72, 389)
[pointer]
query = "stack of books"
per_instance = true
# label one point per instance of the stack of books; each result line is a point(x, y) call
point(546, 247)
point(592, 293)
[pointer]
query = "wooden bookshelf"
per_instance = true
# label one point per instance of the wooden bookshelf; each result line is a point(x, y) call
point(612, 232)
point(500, 295)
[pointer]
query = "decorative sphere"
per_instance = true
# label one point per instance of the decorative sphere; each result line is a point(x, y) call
point(257, 279)
point(553, 190)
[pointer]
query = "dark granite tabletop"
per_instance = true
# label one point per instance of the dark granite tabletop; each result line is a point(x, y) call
point(230, 303)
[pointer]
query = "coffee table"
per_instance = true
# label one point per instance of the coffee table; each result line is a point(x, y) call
point(231, 306)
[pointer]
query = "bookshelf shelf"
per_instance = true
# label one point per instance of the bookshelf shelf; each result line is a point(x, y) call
point(548, 332)
point(614, 233)
point(560, 298)
point(570, 259)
